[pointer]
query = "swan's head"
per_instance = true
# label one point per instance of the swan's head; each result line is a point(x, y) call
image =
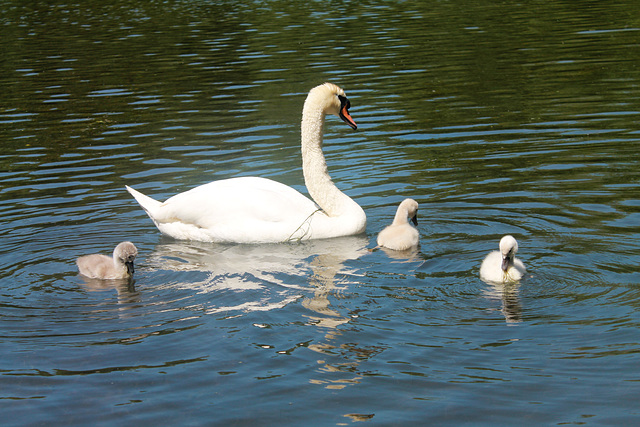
point(126, 253)
point(508, 249)
point(410, 206)
point(332, 100)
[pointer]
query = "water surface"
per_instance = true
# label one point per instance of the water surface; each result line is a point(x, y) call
point(497, 118)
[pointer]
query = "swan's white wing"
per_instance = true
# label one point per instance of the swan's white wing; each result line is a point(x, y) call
point(240, 209)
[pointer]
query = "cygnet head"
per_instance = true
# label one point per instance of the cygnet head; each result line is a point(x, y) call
point(332, 99)
point(508, 249)
point(411, 207)
point(126, 253)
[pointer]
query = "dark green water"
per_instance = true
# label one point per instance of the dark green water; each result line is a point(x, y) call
point(498, 118)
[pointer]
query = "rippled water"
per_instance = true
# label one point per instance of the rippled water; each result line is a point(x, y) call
point(496, 118)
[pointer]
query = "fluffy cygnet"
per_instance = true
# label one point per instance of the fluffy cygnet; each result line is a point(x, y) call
point(502, 266)
point(401, 235)
point(120, 266)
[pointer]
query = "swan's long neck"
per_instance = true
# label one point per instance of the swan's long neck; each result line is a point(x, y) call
point(116, 259)
point(401, 216)
point(316, 177)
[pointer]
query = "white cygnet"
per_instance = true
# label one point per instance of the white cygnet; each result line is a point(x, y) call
point(401, 235)
point(503, 266)
point(120, 266)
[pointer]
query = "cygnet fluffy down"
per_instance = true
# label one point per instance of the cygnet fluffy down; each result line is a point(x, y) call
point(120, 266)
point(502, 265)
point(401, 235)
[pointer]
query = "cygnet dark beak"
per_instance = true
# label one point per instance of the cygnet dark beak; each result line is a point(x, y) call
point(505, 262)
point(130, 268)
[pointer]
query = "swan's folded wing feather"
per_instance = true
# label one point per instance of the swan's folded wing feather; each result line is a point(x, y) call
point(236, 202)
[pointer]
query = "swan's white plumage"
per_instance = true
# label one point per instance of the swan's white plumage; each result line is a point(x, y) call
point(503, 266)
point(120, 266)
point(401, 235)
point(257, 210)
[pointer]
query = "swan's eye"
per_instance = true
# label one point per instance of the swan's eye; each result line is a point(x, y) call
point(344, 102)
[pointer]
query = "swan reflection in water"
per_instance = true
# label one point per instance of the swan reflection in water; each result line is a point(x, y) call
point(275, 274)
point(125, 288)
point(507, 293)
point(271, 276)
point(407, 256)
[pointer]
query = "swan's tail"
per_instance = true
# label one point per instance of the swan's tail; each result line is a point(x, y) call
point(148, 204)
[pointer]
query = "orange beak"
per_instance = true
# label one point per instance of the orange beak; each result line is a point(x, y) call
point(344, 112)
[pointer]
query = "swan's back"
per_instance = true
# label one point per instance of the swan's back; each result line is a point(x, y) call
point(399, 238)
point(241, 210)
point(97, 266)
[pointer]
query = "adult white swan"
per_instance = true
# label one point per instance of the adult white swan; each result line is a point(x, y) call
point(503, 266)
point(258, 210)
